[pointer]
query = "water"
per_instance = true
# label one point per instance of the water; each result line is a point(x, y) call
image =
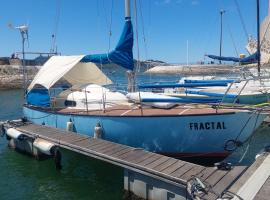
point(22, 177)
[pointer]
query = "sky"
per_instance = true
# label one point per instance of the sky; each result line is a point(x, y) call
point(168, 30)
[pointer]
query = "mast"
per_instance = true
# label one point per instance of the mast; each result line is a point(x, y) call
point(258, 36)
point(127, 10)
point(130, 74)
point(221, 30)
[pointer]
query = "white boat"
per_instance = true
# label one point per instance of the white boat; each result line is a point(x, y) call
point(241, 91)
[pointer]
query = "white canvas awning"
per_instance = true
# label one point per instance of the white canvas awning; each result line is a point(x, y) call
point(71, 69)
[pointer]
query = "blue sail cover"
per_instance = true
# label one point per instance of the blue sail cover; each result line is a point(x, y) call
point(250, 59)
point(122, 55)
point(233, 59)
point(38, 97)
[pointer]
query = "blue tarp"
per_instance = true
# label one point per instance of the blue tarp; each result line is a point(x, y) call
point(38, 97)
point(211, 94)
point(122, 55)
point(233, 59)
point(185, 85)
point(250, 59)
point(212, 81)
point(180, 100)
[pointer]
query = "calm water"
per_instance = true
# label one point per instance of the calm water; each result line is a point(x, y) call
point(22, 177)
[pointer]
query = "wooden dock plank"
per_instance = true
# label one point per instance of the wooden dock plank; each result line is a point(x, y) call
point(84, 142)
point(158, 165)
point(105, 147)
point(121, 152)
point(165, 164)
point(194, 172)
point(215, 177)
point(95, 145)
point(225, 182)
point(173, 167)
point(115, 150)
point(142, 158)
point(208, 171)
point(132, 152)
point(157, 162)
point(140, 153)
point(149, 160)
point(182, 170)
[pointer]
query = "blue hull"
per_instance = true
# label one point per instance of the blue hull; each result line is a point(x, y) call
point(172, 135)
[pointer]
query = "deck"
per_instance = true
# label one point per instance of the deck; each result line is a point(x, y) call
point(136, 110)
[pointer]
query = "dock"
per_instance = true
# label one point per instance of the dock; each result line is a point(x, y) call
point(152, 176)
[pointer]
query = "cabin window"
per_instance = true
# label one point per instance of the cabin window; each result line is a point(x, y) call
point(70, 103)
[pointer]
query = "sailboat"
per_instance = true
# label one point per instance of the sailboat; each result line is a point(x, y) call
point(181, 131)
point(243, 90)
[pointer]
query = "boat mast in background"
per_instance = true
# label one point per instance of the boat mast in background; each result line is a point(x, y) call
point(221, 30)
point(53, 49)
point(258, 36)
point(187, 53)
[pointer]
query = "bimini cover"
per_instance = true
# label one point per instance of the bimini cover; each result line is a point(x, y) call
point(68, 67)
point(71, 69)
point(122, 55)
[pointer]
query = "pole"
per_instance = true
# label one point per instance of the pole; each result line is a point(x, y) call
point(127, 10)
point(221, 30)
point(23, 63)
point(187, 54)
point(258, 37)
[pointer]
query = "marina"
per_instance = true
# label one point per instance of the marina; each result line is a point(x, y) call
point(169, 177)
point(111, 122)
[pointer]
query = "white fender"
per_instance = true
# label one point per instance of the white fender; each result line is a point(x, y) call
point(43, 146)
point(69, 126)
point(13, 133)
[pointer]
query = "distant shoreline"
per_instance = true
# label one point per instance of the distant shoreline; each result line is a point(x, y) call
point(11, 76)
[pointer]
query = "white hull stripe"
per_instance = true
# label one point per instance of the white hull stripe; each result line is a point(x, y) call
point(183, 111)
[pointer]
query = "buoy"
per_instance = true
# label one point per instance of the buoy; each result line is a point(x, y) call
point(69, 126)
point(43, 146)
point(98, 131)
point(15, 134)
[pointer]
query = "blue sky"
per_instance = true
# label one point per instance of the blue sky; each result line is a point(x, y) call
point(166, 24)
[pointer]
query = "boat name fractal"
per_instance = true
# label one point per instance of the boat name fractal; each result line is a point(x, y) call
point(207, 126)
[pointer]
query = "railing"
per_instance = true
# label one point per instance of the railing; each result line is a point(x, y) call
point(92, 98)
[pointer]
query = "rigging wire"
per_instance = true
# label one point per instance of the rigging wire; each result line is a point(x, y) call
point(241, 18)
point(143, 30)
point(137, 38)
point(264, 35)
point(57, 19)
point(233, 41)
point(105, 11)
point(110, 26)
